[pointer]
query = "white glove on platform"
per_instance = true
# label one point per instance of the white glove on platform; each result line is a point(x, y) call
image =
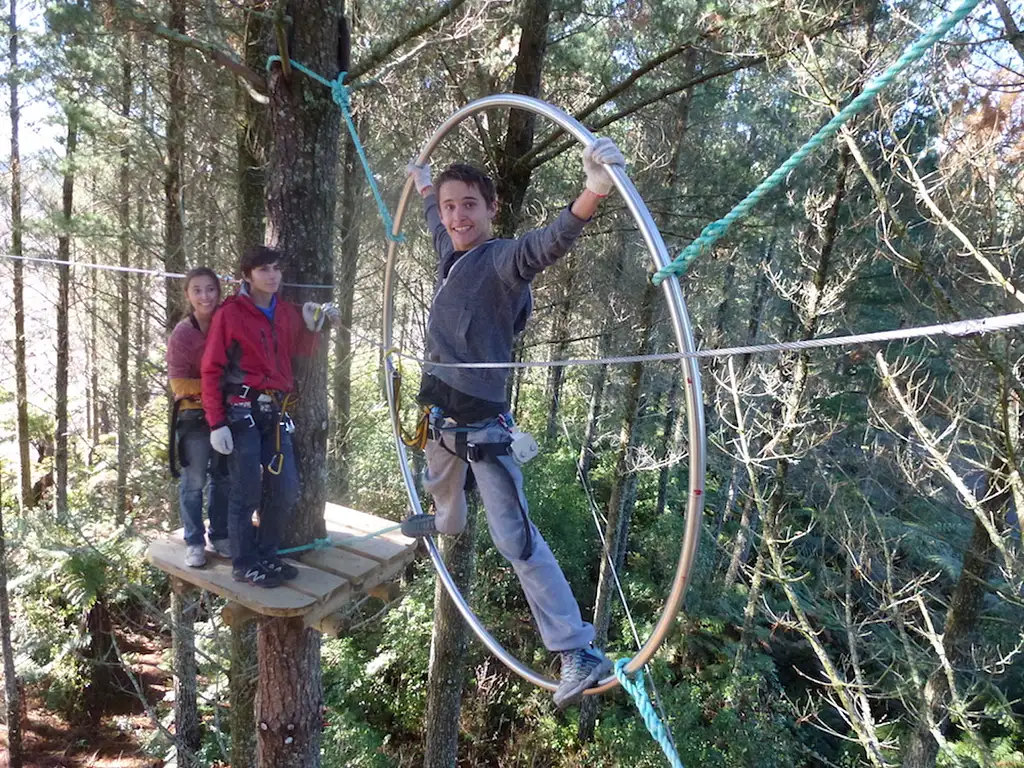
point(420, 175)
point(595, 157)
point(313, 314)
point(221, 440)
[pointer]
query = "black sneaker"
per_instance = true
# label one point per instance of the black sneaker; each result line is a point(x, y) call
point(257, 576)
point(418, 526)
point(285, 570)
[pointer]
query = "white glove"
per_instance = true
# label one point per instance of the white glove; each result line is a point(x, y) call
point(221, 440)
point(420, 175)
point(595, 157)
point(313, 314)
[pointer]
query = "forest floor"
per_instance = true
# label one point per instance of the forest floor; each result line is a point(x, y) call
point(52, 741)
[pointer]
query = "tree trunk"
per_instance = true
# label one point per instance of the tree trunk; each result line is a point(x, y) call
point(616, 532)
point(20, 370)
point(670, 442)
point(252, 140)
point(289, 694)
point(587, 455)
point(244, 667)
point(965, 609)
point(345, 296)
point(560, 334)
point(124, 429)
point(184, 605)
point(513, 174)
point(174, 225)
point(60, 452)
point(94, 369)
point(448, 643)
point(12, 694)
point(741, 544)
point(301, 197)
point(106, 679)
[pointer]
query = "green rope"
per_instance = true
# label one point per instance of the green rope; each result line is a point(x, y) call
point(340, 94)
point(327, 542)
point(717, 229)
point(634, 686)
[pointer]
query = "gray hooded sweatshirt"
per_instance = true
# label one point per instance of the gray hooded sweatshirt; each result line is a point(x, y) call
point(482, 299)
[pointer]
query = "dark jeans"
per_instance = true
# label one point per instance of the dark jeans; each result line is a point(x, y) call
point(254, 486)
point(195, 449)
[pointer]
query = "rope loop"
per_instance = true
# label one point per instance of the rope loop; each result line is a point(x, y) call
point(634, 685)
point(340, 95)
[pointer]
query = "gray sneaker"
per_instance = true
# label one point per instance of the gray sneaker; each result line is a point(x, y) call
point(195, 555)
point(582, 668)
point(221, 547)
point(418, 526)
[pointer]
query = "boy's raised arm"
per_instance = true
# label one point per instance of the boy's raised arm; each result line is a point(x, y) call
point(540, 248)
point(425, 187)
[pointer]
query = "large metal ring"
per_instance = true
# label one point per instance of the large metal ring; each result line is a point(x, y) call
point(692, 388)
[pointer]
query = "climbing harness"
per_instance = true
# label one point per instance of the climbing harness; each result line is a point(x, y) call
point(717, 229)
point(267, 401)
point(691, 378)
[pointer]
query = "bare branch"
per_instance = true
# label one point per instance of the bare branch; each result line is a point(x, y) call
point(218, 55)
point(378, 53)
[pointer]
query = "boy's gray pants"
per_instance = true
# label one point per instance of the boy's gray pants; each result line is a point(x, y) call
point(501, 487)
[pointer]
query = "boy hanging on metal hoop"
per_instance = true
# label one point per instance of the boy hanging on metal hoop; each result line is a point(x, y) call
point(482, 300)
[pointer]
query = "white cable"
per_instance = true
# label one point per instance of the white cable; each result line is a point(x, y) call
point(958, 328)
point(134, 270)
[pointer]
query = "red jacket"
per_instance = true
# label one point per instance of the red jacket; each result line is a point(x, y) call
point(244, 347)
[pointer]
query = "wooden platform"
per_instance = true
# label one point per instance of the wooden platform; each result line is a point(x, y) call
point(328, 578)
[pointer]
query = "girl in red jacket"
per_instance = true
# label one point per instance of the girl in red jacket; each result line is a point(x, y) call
point(191, 435)
point(247, 381)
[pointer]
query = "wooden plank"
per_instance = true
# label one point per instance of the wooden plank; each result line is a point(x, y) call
point(379, 548)
point(169, 556)
point(360, 521)
point(332, 605)
point(316, 583)
point(355, 568)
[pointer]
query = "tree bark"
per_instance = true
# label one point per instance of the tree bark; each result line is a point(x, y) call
point(252, 140)
point(20, 369)
point(244, 666)
point(12, 694)
point(289, 694)
point(301, 197)
point(513, 174)
point(184, 604)
point(60, 452)
point(174, 225)
point(124, 428)
point(448, 644)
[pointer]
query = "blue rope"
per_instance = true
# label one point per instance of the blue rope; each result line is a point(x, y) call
point(715, 230)
point(636, 688)
point(340, 94)
point(327, 542)
point(323, 543)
